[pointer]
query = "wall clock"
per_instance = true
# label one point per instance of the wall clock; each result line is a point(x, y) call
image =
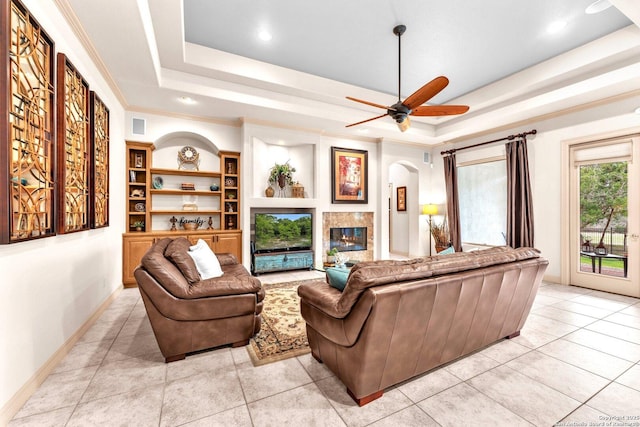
point(188, 155)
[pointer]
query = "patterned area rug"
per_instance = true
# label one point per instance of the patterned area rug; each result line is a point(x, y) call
point(283, 334)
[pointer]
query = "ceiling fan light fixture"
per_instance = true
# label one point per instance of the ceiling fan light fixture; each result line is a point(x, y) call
point(405, 124)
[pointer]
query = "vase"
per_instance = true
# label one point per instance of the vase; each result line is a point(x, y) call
point(282, 182)
point(269, 191)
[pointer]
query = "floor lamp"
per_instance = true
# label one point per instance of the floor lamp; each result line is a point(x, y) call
point(430, 210)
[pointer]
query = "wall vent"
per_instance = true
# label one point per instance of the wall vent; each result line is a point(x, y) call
point(138, 126)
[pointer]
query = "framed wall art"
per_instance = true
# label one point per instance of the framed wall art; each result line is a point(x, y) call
point(401, 199)
point(73, 148)
point(99, 188)
point(27, 150)
point(349, 175)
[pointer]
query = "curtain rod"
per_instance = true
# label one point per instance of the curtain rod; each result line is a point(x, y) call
point(510, 137)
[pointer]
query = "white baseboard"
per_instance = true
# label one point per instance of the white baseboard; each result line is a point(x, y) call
point(21, 396)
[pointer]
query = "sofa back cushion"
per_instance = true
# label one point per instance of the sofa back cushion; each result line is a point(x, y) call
point(164, 271)
point(375, 273)
point(177, 252)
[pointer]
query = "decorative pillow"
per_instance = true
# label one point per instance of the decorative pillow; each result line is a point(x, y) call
point(178, 252)
point(206, 261)
point(337, 277)
point(449, 250)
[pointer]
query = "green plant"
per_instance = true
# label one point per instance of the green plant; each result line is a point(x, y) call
point(138, 224)
point(285, 170)
point(332, 252)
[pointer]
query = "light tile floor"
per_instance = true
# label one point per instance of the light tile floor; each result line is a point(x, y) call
point(577, 361)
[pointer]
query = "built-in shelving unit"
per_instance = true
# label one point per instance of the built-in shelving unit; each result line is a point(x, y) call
point(164, 198)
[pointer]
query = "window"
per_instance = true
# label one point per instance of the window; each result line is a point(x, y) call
point(482, 193)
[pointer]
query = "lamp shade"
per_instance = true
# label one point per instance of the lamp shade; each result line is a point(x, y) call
point(430, 209)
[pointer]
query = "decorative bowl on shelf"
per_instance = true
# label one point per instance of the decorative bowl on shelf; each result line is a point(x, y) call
point(190, 226)
point(157, 183)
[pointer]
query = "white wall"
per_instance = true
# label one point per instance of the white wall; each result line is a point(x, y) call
point(310, 154)
point(50, 287)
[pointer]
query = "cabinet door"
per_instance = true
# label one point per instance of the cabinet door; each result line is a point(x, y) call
point(133, 249)
point(229, 243)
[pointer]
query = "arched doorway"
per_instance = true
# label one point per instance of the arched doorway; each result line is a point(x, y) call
point(404, 219)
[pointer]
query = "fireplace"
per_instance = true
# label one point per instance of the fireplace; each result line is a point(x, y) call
point(348, 238)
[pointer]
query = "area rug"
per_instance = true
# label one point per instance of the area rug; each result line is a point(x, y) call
point(283, 333)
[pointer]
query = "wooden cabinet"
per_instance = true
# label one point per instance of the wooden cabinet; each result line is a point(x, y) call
point(135, 245)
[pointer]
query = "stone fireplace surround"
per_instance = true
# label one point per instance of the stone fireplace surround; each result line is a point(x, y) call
point(348, 219)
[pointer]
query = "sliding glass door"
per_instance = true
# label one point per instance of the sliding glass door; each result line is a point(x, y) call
point(605, 215)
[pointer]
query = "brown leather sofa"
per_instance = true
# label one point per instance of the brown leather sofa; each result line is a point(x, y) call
point(398, 319)
point(188, 314)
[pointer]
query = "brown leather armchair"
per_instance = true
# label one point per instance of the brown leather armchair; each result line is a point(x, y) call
point(188, 314)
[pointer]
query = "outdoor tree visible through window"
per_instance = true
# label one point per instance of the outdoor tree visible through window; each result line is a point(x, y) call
point(603, 204)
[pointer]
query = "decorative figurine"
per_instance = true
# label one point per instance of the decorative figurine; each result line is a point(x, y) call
point(210, 222)
point(173, 221)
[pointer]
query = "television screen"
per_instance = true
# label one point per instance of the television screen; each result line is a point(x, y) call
point(282, 231)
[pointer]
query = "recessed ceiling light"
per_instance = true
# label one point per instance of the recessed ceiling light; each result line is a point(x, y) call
point(637, 110)
point(597, 7)
point(187, 100)
point(264, 35)
point(363, 130)
point(556, 27)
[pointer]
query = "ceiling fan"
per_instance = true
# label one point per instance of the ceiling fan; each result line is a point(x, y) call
point(412, 106)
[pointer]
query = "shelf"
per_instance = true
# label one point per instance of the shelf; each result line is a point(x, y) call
point(206, 174)
point(185, 192)
point(181, 212)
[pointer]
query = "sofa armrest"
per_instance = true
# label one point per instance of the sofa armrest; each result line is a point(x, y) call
point(322, 296)
point(318, 303)
point(227, 259)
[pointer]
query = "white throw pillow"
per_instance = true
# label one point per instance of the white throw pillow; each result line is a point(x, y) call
point(206, 261)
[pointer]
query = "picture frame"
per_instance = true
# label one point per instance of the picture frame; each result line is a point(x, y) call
point(401, 199)
point(73, 178)
point(139, 161)
point(349, 176)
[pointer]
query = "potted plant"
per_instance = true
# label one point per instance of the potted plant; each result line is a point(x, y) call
point(138, 225)
point(331, 253)
point(282, 174)
point(440, 233)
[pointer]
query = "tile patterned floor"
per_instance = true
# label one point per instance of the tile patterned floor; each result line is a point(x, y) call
point(577, 361)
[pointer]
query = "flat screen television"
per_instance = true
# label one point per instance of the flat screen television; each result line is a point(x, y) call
point(282, 232)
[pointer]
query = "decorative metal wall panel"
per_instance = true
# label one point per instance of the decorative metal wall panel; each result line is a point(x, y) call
point(99, 195)
point(73, 148)
point(27, 144)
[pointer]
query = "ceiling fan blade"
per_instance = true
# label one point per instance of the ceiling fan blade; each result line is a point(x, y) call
point(439, 110)
point(426, 92)
point(365, 121)
point(373, 104)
